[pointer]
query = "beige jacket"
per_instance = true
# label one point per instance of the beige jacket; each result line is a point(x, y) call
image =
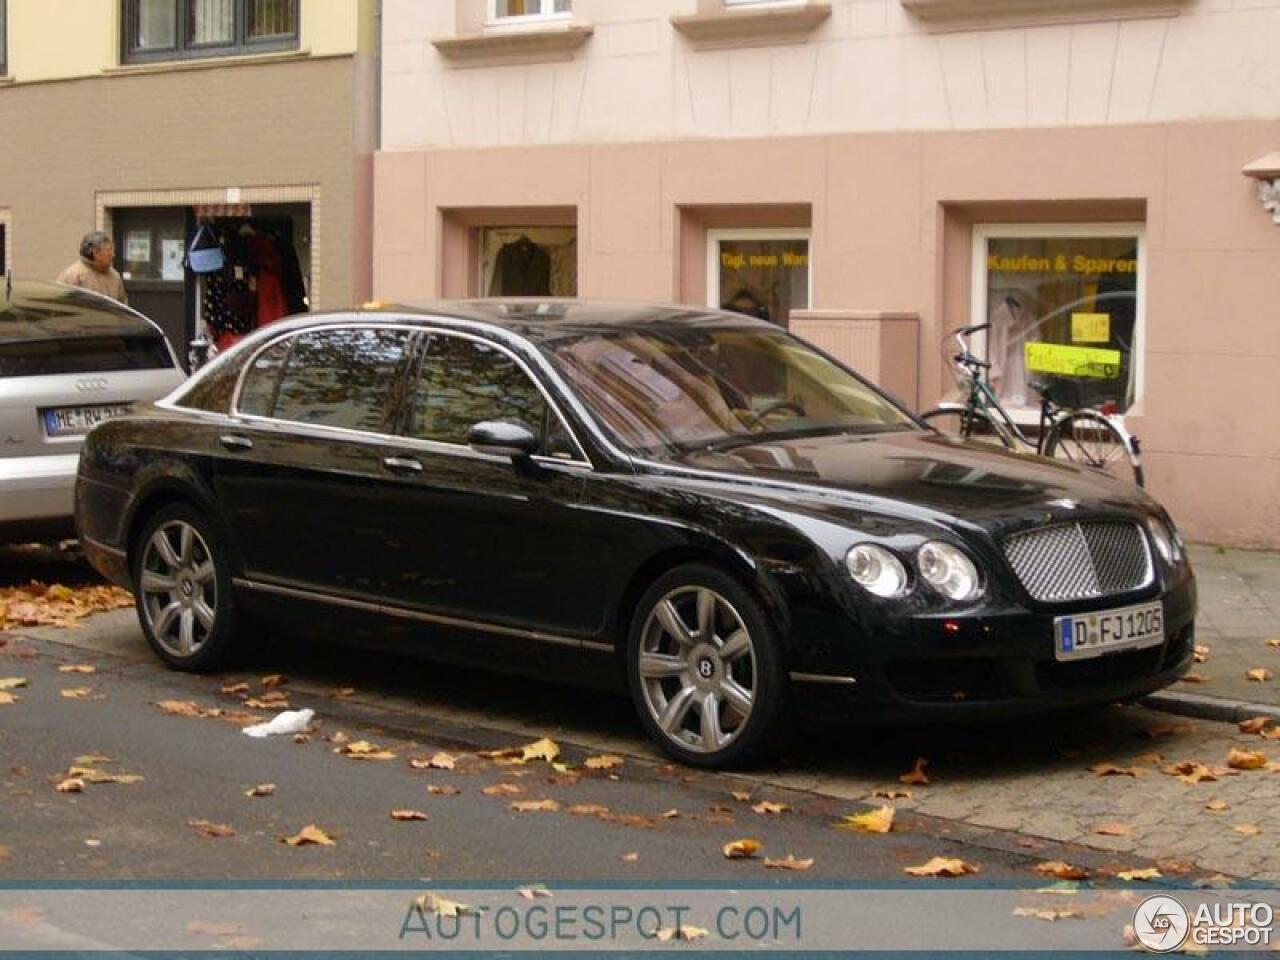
point(84, 274)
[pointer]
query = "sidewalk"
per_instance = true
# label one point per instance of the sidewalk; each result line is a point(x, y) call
point(1239, 613)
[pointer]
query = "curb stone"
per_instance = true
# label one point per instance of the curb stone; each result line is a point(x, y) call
point(1204, 707)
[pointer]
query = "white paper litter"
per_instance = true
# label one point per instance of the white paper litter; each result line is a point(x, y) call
point(291, 721)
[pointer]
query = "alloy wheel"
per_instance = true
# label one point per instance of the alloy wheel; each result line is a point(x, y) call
point(178, 587)
point(697, 669)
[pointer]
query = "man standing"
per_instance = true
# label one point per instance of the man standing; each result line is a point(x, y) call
point(93, 270)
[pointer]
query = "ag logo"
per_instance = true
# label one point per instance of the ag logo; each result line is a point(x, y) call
point(1161, 924)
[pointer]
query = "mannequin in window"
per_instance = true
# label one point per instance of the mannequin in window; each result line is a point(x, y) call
point(746, 301)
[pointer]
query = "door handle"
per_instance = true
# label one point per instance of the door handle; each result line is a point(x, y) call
point(402, 465)
point(235, 441)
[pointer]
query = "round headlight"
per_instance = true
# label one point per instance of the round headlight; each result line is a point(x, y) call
point(948, 571)
point(1166, 539)
point(877, 570)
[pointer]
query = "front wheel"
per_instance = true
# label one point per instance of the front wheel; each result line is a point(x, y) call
point(705, 669)
point(957, 421)
point(1094, 441)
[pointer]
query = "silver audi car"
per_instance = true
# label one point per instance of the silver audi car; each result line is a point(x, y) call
point(69, 359)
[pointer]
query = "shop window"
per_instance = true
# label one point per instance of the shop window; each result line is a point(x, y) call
point(529, 262)
point(174, 29)
point(761, 273)
point(516, 11)
point(1065, 307)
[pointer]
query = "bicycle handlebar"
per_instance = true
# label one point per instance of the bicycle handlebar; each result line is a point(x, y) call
point(976, 328)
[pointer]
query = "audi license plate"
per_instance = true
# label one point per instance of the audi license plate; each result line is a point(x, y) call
point(73, 421)
point(1094, 634)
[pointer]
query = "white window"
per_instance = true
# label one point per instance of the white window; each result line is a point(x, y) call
point(523, 11)
point(763, 273)
point(1065, 304)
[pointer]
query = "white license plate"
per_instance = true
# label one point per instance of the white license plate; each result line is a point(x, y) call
point(72, 421)
point(1087, 635)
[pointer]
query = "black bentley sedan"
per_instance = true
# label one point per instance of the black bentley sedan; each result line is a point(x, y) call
point(693, 504)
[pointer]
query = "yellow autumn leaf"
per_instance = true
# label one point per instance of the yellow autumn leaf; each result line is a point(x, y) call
point(70, 785)
point(77, 693)
point(892, 794)
point(879, 820)
point(667, 934)
point(8, 699)
point(1217, 806)
point(232, 689)
point(1254, 724)
point(501, 789)
point(404, 815)
point(261, 790)
point(1260, 675)
point(1145, 873)
point(1246, 760)
point(1112, 770)
point(631, 857)
point(77, 668)
point(543, 749)
point(742, 849)
point(12, 683)
point(310, 834)
point(535, 806)
point(272, 680)
point(534, 891)
point(443, 791)
point(587, 810)
point(942, 867)
point(213, 831)
point(789, 862)
point(605, 761)
point(437, 761)
point(768, 806)
point(1061, 870)
point(917, 777)
point(364, 750)
point(1114, 830)
point(1248, 829)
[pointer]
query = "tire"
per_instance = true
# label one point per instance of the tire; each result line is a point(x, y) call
point(958, 421)
point(183, 593)
point(1093, 440)
point(677, 679)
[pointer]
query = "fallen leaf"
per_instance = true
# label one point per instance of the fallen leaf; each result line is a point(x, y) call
point(917, 777)
point(1051, 914)
point(1217, 806)
point(70, 785)
point(1177, 867)
point(534, 892)
point(207, 828)
point(535, 806)
point(588, 810)
point(742, 849)
point(432, 903)
point(77, 668)
point(768, 806)
point(672, 814)
point(1273, 642)
point(631, 857)
point(310, 834)
point(257, 703)
point(36, 604)
point(1145, 873)
point(437, 761)
point(8, 699)
point(261, 790)
point(502, 789)
point(1111, 770)
point(186, 708)
point(364, 750)
point(1114, 830)
point(273, 680)
point(78, 693)
point(232, 689)
point(788, 862)
point(543, 749)
point(1061, 870)
point(1272, 734)
point(1248, 829)
point(443, 791)
point(1246, 760)
point(1200, 653)
point(1254, 724)
point(630, 820)
point(942, 867)
point(92, 775)
point(302, 738)
point(1260, 675)
point(892, 794)
point(667, 934)
point(605, 761)
point(408, 815)
point(1190, 771)
point(1192, 678)
point(879, 820)
point(12, 683)
point(742, 796)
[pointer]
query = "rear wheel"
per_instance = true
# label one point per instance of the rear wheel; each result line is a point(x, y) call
point(704, 669)
point(1094, 441)
point(962, 422)
point(182, 589)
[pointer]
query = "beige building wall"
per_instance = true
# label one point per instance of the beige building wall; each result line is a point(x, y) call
point(890, 137)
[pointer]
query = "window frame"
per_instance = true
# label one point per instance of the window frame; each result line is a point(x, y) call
point(4, 38)
point(716, 236)
point(493, 19)
point(978, 305)
point(240, 45)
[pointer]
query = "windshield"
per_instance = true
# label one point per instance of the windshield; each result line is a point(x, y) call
point(682, 389)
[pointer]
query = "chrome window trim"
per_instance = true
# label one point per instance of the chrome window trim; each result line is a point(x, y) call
point(434, 446)
point(407, 614)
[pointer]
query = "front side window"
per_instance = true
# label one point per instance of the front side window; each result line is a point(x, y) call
point(1063, 304)
point(174, 29)
point(680, 389)
point(759, 273)
point(344, 378)
point(507, 10)
point(463, 382)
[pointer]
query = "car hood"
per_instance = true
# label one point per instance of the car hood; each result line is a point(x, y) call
point(916, 474)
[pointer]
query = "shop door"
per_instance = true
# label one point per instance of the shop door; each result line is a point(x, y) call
point(150, 245)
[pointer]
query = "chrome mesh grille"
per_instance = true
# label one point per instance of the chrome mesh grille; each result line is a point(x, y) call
point(1074, 561)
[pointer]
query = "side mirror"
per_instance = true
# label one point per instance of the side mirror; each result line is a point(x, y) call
point(502, 438)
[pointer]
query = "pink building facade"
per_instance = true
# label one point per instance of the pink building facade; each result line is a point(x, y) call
point(1087, 176)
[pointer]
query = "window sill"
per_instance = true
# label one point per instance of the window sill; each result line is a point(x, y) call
point(753, 25)
point(207, 63)
point(516, 44)
point(951, 13)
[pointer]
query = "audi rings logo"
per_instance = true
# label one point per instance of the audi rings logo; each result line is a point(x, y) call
point(91, 384)
point(1161, 924)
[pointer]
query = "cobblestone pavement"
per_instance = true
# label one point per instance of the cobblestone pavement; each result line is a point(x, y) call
point(1239, 593)
point(1032, 779)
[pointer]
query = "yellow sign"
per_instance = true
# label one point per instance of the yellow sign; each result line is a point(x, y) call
point(1066, 361)
point(1090, 327)
point(1061, 263)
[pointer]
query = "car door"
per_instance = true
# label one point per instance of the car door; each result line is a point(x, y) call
point(302, 472)
point(480, 538)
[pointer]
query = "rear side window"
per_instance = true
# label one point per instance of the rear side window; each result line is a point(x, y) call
point(332, 378)
point(42, 358)
point(258, 395)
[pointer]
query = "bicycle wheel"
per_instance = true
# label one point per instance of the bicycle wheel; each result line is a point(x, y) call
point(1094, 441)
point(960, 421)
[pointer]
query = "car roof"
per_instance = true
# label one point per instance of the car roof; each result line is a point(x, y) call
point(546, 319)
point(33, 310)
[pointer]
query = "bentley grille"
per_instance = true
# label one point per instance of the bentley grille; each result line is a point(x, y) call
point(1075, 561)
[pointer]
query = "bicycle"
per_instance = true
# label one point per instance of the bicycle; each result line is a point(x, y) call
point(1092, 437)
